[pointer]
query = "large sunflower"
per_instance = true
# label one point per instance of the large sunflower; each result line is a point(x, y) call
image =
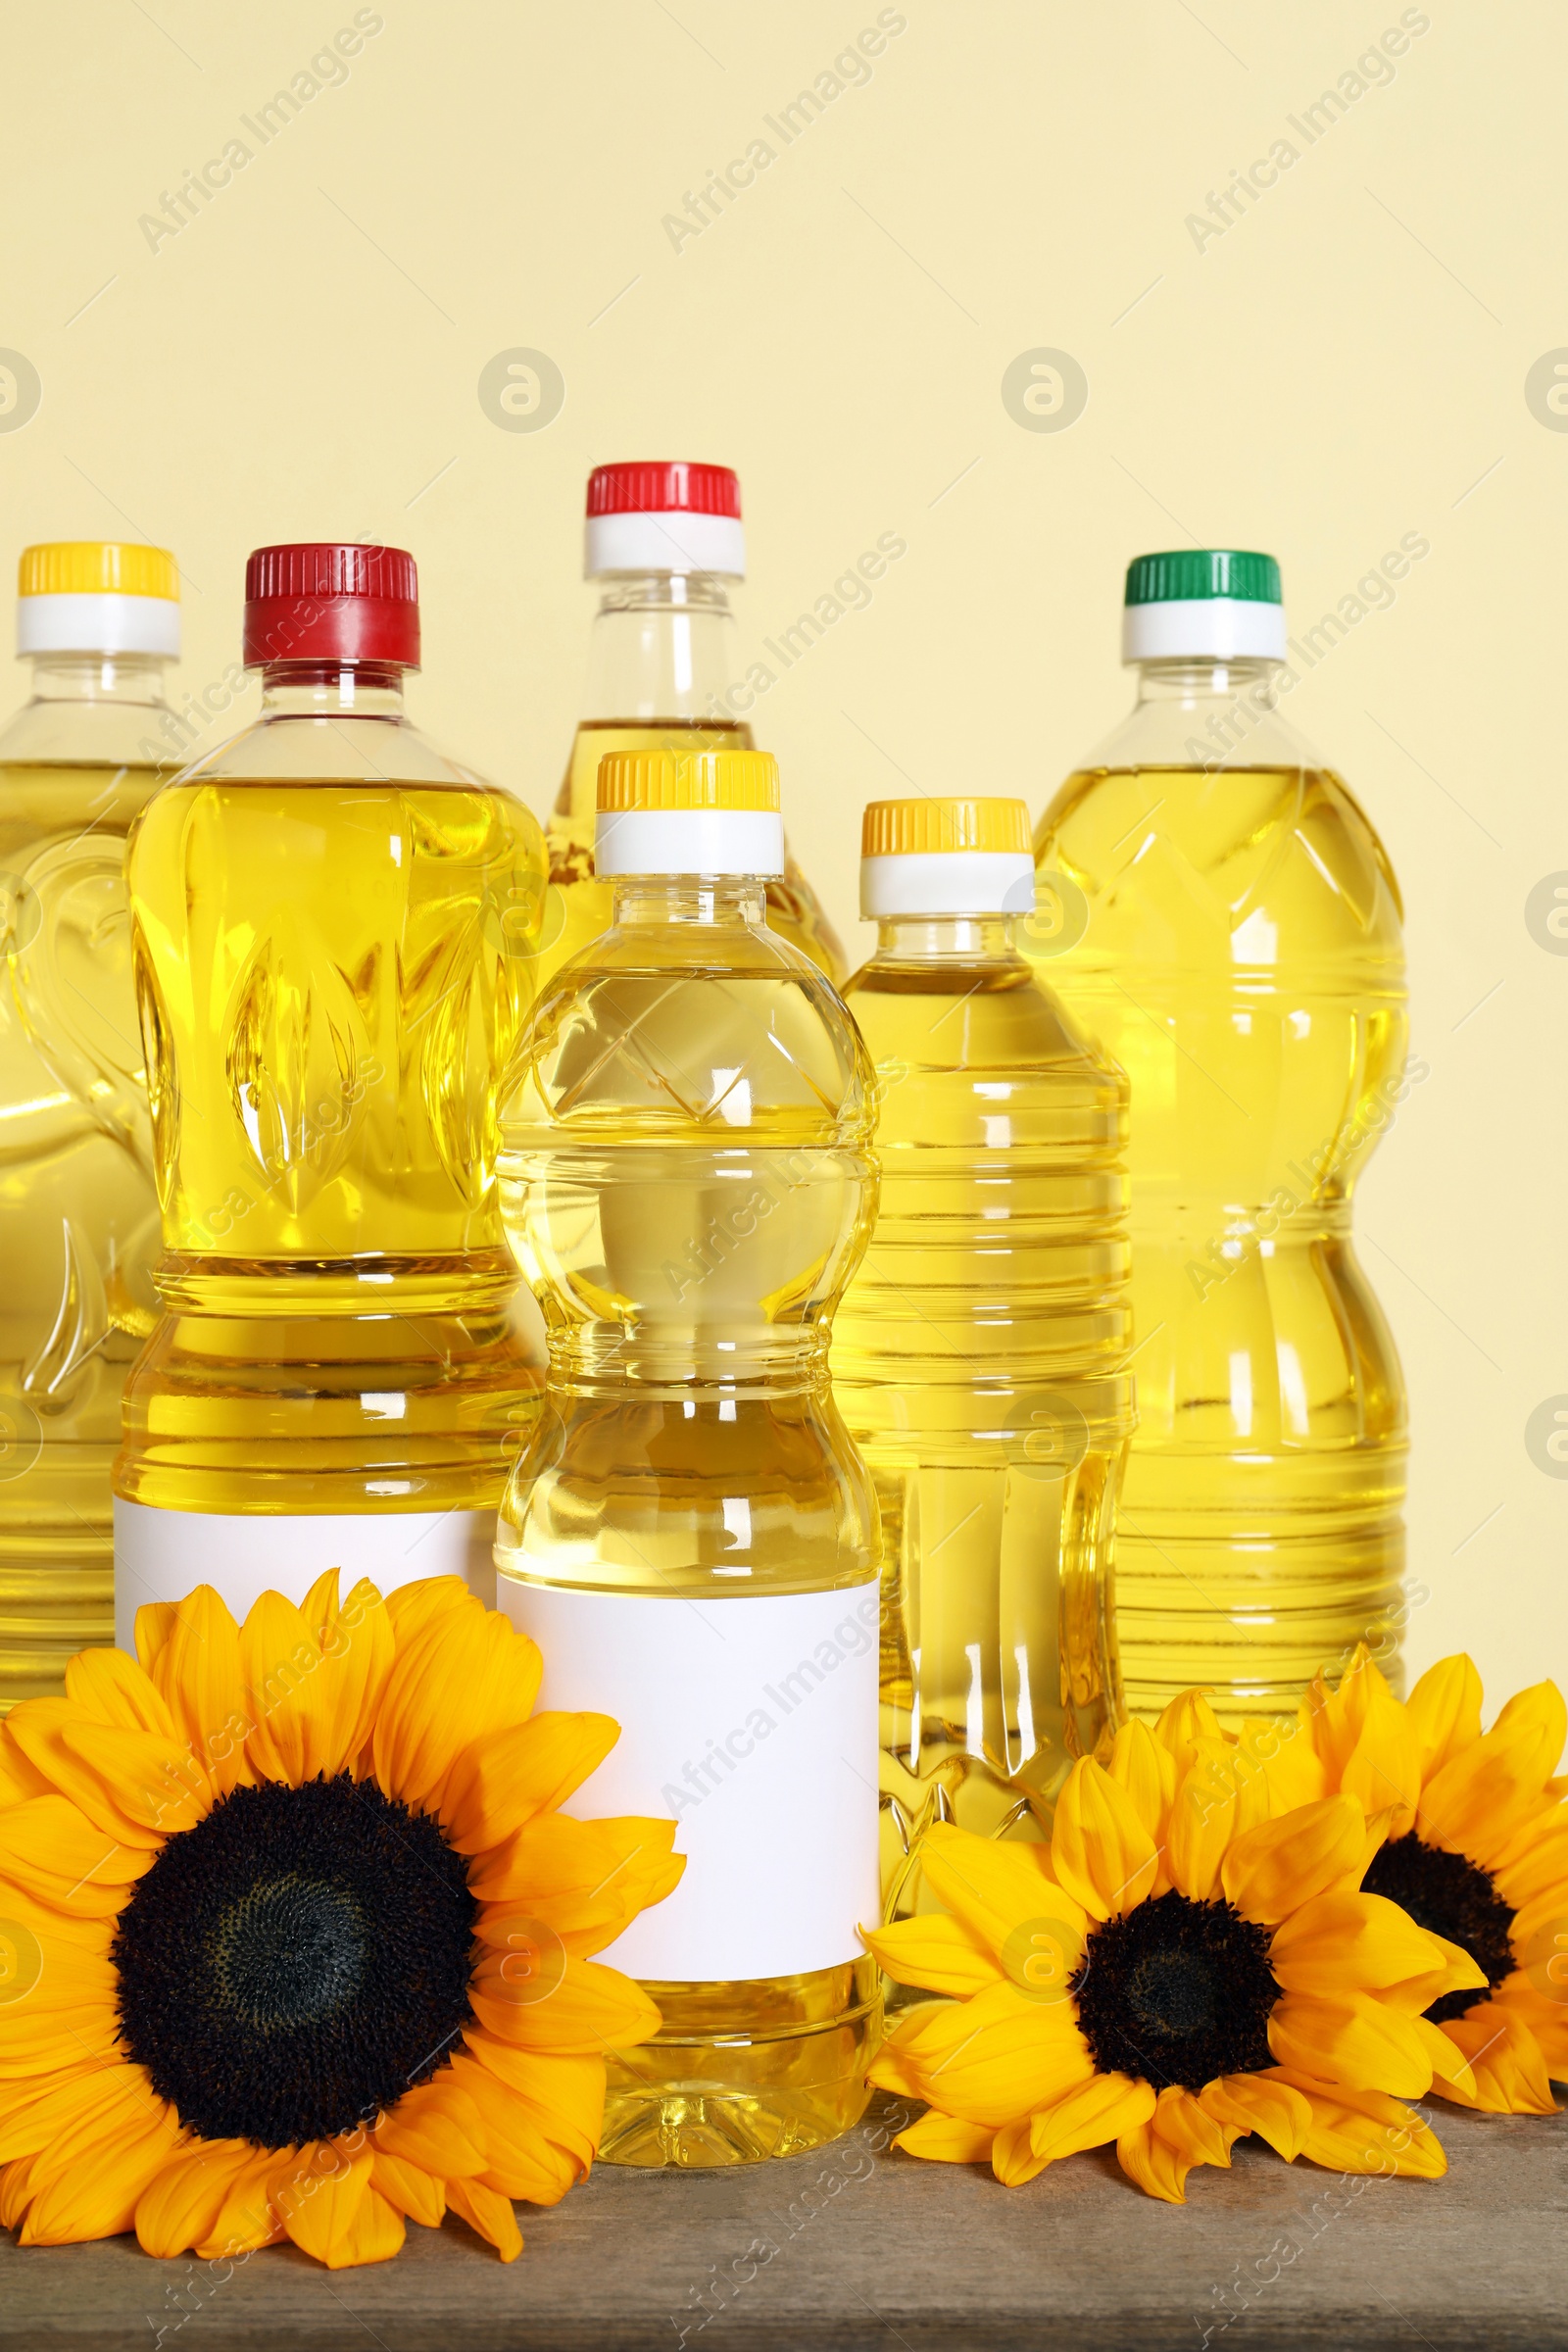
point(298, 1942)
point(1174, 1970)
point(1469, 1831)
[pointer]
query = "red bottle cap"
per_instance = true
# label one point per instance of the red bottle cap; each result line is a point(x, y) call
point(330, 601)
point(678, 488)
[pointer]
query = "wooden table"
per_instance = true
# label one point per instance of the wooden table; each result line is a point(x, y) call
point(857, 2250)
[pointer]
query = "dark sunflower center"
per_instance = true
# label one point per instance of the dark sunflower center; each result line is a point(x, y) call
point(1177, 1991)
point(296, 1962)
point(1450, 1897)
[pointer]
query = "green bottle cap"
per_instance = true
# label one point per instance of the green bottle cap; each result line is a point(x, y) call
point(1185, 575)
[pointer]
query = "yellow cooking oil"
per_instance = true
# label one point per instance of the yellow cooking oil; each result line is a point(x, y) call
point(980, 1356)
point(1232, 936)
point(689, 1533)
point(332, 934)
point(78, 1210)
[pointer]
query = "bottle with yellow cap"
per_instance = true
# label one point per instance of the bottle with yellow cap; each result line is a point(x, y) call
point(689, 1534)
point(334, 925)
point(664, 543)
point(980, 1354)
point(78, 1212)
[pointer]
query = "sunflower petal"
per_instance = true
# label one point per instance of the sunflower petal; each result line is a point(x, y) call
point(412, 1607)
point(1293, 1773)
point(988, 2060)
point(1263, 2104)
point(934, 1951)
point(1186, 1720)
point(356, 1646)
point(1146, 1769)
point(190, 1648)
point(409, 2188)
point(179, 2208)
point(319, 2194)
point(435, 2125)
point(945, 2140)
point(1202, 1820)
point(1160, 2152)
point(993, 1884)
point(83, 2187)
point(465, 1674)
point(1353, 2040)
point(1365, 2132)
point(1105, 2107)
point(525, 2156)
point(498, 1786)
point(563, 2094)
point(19, 1780)
point(589, 2008)
point(1342, 1942)
point(1158, 2168)
point(116, 1691)
point(1100, 1852)
point(488, 2212)
point(249, 2216)
point(1452, 2076)
point(1384, 1768)
point(1275, 1867)
point(583, 1880)
point(1480, 1798)
point(51, 1849)
point(1444, 1711)
point(134, 1786)
point(1507, 2067)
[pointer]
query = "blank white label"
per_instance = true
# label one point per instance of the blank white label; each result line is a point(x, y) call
point(162, 1555)
point(753, 1721)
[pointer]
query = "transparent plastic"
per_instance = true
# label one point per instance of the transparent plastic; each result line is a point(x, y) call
point(690, 1447)
point(1243, 961)
point(664, 647)
point(979, 1360)
point(78, 1212)
point(334, 927)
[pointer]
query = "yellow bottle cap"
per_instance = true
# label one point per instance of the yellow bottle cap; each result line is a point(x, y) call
point(98, 567)
point(671, 781)
point(930, 828)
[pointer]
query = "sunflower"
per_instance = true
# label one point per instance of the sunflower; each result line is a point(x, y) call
point(293, 1939)
point(1176, 1969)
point(1468, 1832)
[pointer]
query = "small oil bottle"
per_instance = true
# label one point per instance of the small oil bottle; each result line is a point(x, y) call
point(980, 1356)
point(334, 939)
point(690, 1535)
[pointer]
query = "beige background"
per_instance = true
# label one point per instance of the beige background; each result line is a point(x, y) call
point(1344, 365)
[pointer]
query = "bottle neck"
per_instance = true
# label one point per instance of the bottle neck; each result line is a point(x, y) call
point(721, 901)
point(126, 678)
point(663, 646)
point(945, 938)
point(322, 690)
point(1191, 682)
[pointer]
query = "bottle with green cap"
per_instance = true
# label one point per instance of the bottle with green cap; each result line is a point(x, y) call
point(1227, 926)
point(78, 1208)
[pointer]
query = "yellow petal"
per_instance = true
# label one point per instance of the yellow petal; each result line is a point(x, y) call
point(1158, 2168)
point(527, 2154)
point(357, 1647)
point(190, 1648)
point(582, 1881)
point(490, 2213)
point(1354, 2040)
point(1534, 1870)
point(1160, 2152)
point(1146, 1768)
point(1342, 1942)
point(465, 1674)
point(19, 1780)
point(944, 2139)
point(319, 2194)
point(1278, 1865)
point(1100, 1852)
point(935, 1952)
point(51, 1850)
point(1478, 1799)
point(1444, 1712)
point(409, 2188)
point(99, 2102)
point(279, 1662)
point(115, 1691)
point(179, 2208)
point(248, 2217)
point(994, 1886)
point(1186, 1720)
point(1384, 1768)
point(499, 1785)
point(1508, 2069)
point(133, 1786)
point(1105, 2108)
point(589, 2008)
point(412, 1607)
point(1452, 2076)
point(1263, 2104)
point(1202, 1820)
point(85, 2186)
point(435, 2125)
point(563, 2095)
point(1292, 1771)
point(986, 2060)
point(1365, 2132)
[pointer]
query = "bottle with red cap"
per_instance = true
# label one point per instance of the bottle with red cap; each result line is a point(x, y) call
point(334, 926)
point(664, 673)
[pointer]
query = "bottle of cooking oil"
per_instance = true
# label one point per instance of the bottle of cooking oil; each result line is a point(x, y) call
point(334, 934)
point(689, 1535)
point(665, 541)
point(78, 1213)
point(1232, 936)
point(979, 1355)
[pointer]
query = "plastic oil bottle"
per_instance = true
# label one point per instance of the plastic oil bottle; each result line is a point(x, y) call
point(664, 543)
point(689, 1535)
point(333, 932)
point(79, 1212)
point(979, 1356)
point(1233, 940)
